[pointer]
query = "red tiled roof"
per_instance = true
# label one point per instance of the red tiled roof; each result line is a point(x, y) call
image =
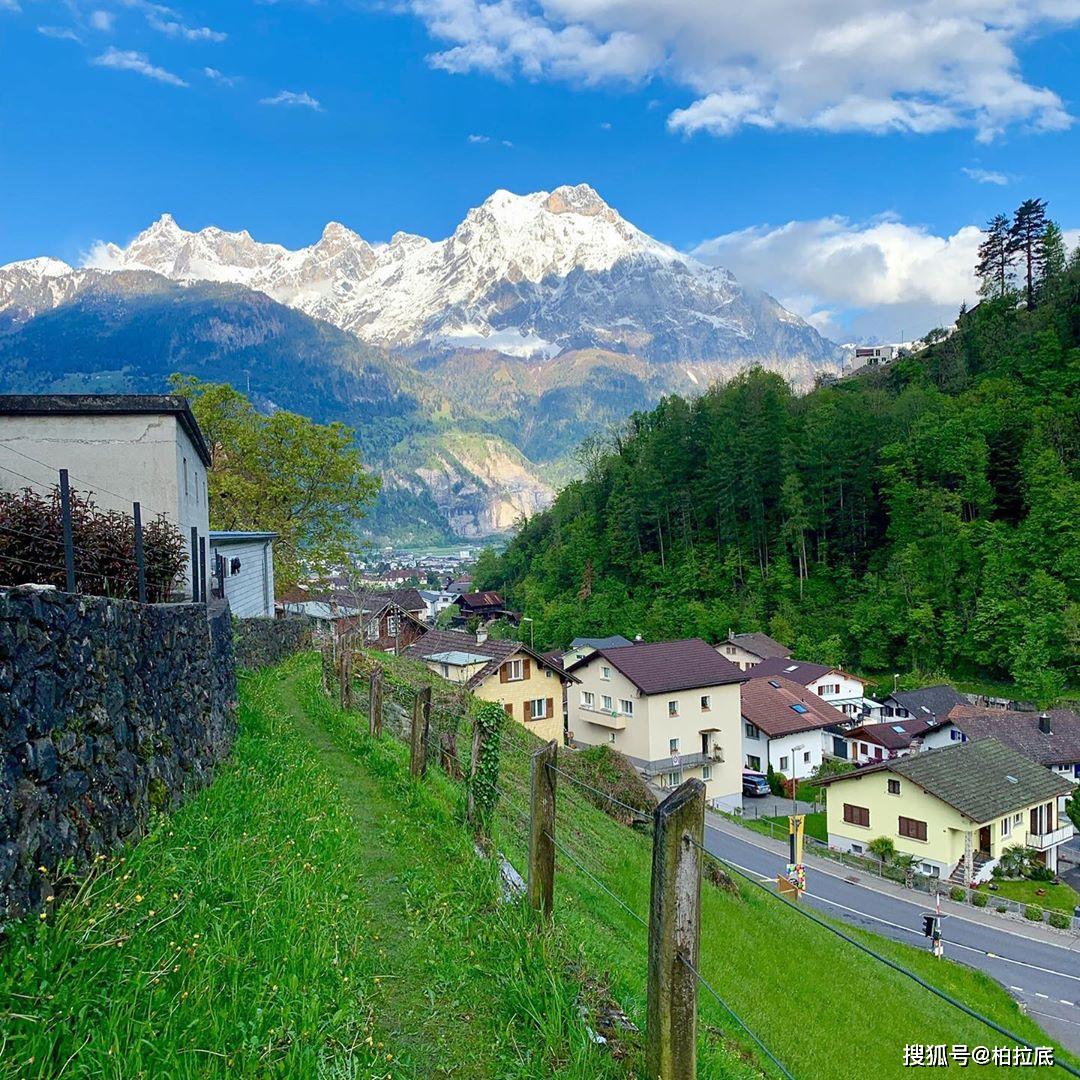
point(666, 666)
point(767, 703)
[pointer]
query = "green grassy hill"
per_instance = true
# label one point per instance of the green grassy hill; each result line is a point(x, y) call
point(317, 913)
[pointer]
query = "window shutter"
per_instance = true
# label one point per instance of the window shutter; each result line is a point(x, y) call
point(526, 710)
point(1034, 830)
point(509, 709)
point(525, 667)
point(549, 712)
point(504, 675)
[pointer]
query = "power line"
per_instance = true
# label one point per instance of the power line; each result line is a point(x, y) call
point(738, 1019)
point(885, 960)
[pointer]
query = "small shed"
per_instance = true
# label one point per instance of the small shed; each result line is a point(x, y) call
point(242, 567)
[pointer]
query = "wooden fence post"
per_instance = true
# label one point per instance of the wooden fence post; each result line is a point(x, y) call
point(347, 700)
point(474, 766)
point(542, 828)
point(674, 934)
point(375, 701)
point(421, 725)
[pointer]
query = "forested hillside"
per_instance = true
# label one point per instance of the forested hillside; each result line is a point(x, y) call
point(920, 517)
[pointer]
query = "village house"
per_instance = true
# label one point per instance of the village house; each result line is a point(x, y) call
point(841, 690)
point(119, 448)
point(382, 624)
point(242, 572)
point(671, 707)
point(436, 602)
point(784, 726)
point(747, 650)
point(896, 738)
point(580, 647)
point(525, 683)
point(1052, 738)
point(926, 702)
point(485, 607)
point(954, 809)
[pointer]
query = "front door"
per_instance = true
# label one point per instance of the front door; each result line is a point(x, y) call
point(984, 840)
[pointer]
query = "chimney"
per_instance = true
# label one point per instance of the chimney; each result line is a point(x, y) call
point(1044, 723)
point(481, 635)
point(637, 637)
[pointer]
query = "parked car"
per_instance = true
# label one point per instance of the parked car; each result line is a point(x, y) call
point(755, 784)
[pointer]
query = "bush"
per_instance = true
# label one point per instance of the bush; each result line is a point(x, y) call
point(1002, 909)
point(1041, 873)
point(980, 899)
point(32, 547)
point(777, 782)
point(1034, 913)
point(882, 847)
point(1060, 920)
point(956, 893)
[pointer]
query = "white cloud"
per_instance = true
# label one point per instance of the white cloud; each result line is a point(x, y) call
point(166, 21)
point(289, 98)
point(220, 77)
point(10, 5)
point(60, 33)
point(128, 60)
point(878, 276)
point(102, 20)
point(479, 138)
point(985, 176)
point(835, 65)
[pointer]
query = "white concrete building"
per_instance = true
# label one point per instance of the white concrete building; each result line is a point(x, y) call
point(671, 707)
point(242, 572)
point(841, 690)
point(748, 650)
point(119, 448)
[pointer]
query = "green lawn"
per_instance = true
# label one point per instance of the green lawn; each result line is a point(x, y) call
point(777, 827)
point(317, 913)
point(1058, 897)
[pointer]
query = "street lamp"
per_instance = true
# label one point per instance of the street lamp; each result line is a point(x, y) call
point(532, 642)
point(794, 771)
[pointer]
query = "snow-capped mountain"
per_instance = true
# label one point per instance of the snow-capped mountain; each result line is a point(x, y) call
point(522, 274)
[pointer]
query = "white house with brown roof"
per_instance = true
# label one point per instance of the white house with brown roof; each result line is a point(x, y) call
point(747, 650)
point(671, 707)
point(840, 689)
point(784, 726)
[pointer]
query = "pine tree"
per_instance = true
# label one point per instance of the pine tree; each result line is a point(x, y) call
point(1025, 236)
point(1052, 259)
point(995, 258)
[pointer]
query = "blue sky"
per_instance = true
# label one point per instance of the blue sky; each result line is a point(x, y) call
point(836, 154)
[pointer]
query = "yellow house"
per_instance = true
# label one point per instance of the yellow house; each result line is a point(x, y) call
point(528, 685)
point(955, 809)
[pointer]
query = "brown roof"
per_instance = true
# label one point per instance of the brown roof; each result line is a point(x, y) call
point(1020, 730)
point(666, 666)
point(498, 652)
point(767, 702)
point(480, 599)
point(896, 734)
point(800, 671)
point(760, 645)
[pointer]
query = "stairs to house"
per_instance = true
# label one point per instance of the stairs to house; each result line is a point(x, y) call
point(979, 860)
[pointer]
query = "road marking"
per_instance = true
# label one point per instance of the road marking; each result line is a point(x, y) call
point(1045, 997)
point(953, 944)
point(1054, 1016)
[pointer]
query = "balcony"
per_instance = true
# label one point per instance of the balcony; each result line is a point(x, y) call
point(605, 718)
point(1045, 841)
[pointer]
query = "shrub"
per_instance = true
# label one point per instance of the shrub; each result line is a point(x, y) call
point(1034, 913)
point(1016, 860)
point(1060, 920)
point(882, 847)
point(956, 893)
point(32, 547)
point(1041, 873)
point(980, 899)
point(1002, 909)
point(777, 781)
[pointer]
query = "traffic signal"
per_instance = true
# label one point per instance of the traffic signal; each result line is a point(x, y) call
point(928, 925)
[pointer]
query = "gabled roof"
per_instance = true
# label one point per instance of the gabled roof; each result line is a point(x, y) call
point(929, 700)
point(760, 645)
point(437, 642)
point(982, 780)
point(109, 405)
point(226, 536)
point(779, 706)
point(800, 671)
point(614, 641)
point(897, 734)
point(1020, 730)
point(407, 599)
point(480, 599)
point(667, 666)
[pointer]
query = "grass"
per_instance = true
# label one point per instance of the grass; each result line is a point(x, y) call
point(317, 913)
point(1061, 897)
point(816, 825)
point(313, 913)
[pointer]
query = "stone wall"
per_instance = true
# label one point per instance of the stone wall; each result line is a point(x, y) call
point(262, 642)
point(108, 710)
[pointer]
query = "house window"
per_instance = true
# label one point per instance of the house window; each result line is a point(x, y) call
point(515, 671)
point(957, 736)
point(729, 649)
point(799, 708)
point(626, 706)
point(783, 763)
point(894, 787)
point(672, 779)
point(185, 479)
point(753, 763)
point(1006, 827)
point(605, 673)
point(538, 708)
point(865, 748)
point(611, 737)
point(673, 746)
point(750, 730)
point(857, 815)
point(912, 829)
point(806, 757)
point(706, 703)
point(878, 753)
point(547, 673)
point(1017, 818)
point(372, 630)
point(588, 699)
point(673, 708)
point(706, 772)
point(606, 701)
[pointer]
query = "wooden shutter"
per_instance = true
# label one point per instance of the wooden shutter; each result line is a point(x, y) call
point(550, 711)
point(526, 710)
point(1034, 830)
point(504, 675)
point(525, 667)
point(509, 709)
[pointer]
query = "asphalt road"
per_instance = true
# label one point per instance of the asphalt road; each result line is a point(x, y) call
point(1045, 977)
